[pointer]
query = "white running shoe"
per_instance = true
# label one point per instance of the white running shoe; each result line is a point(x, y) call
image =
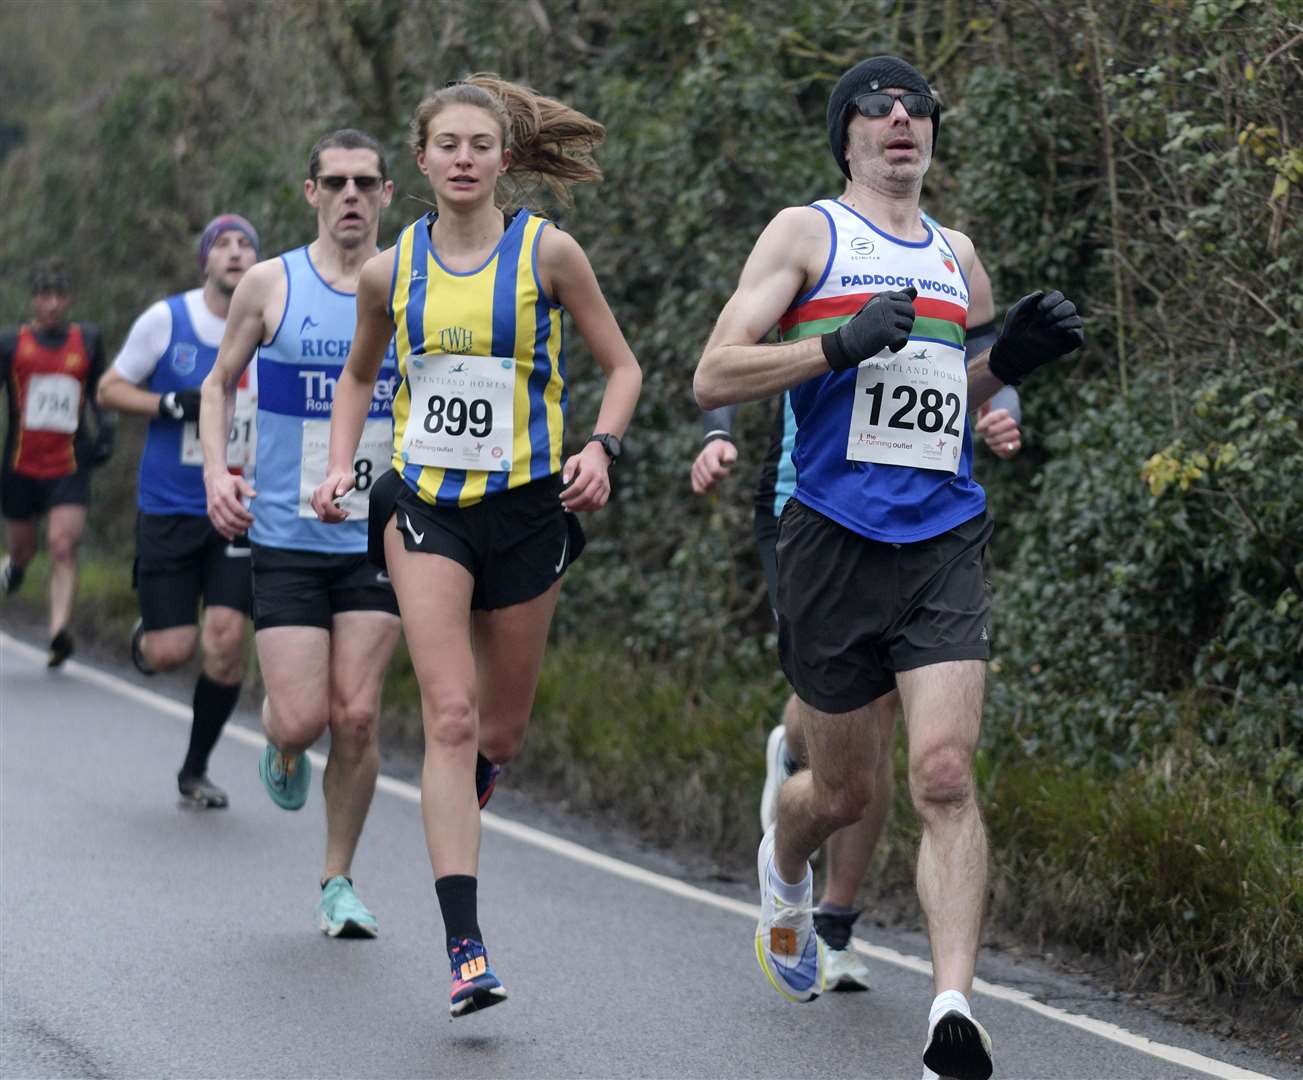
point(775, 774)
point(789, 951)
point(844, 969)
point(958, 1048)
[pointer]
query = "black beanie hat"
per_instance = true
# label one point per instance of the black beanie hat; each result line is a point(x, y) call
point(50, 278)
point(875, 73)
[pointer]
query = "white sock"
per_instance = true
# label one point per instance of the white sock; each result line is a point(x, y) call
point(948, 1001)
point(791, 895)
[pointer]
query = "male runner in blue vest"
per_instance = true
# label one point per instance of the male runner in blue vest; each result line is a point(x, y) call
point(850, 849)
point(325, 620)
point(180, 557)
point(880, 550)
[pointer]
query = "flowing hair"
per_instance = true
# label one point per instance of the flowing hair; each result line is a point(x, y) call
point(550, 143)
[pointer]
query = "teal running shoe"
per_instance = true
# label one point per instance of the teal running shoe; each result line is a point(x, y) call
point(286, 777)
point(341, 914)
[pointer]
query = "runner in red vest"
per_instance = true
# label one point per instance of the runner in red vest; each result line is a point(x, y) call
point(50, 369)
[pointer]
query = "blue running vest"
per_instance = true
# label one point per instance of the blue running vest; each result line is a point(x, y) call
point(892, 503)
point(165, 485)
point(778, 477)
point(297, 372)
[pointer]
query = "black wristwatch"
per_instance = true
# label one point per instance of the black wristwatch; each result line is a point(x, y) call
point(610, 443)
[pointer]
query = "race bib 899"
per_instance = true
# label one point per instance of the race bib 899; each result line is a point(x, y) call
point(463, 411)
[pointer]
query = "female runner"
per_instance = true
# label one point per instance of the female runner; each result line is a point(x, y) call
point(475, 526)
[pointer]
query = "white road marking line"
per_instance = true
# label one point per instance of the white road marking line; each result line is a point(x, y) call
point(586, 856)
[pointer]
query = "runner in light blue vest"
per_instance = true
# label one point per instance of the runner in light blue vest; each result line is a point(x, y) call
point(297, 371)
point(325, 619)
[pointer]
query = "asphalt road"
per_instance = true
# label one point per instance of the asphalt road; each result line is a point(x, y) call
point(140, 939)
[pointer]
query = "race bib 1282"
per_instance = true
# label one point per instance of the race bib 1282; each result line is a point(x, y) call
point(910, 407)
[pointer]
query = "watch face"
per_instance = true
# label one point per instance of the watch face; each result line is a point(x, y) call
point(609, 443)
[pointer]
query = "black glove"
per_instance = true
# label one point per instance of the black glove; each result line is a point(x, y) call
point(884, 322)
point(102, 448)
point(1039, 328)
point(179, 405)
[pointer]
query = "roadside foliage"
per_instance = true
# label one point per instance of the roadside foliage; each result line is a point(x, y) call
point(1144, 156)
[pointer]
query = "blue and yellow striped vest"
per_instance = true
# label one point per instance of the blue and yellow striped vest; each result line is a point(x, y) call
point(499, 309)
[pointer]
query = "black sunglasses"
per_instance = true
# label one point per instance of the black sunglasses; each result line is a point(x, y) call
point(362, 183)
point(881, 104)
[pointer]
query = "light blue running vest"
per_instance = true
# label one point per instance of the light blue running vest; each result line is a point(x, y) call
point(297, 372)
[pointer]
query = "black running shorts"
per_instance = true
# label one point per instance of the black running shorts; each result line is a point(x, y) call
point(852, 611)
point(767, 544)
point(24, 497)
point(515, 544)
point(309, 588)
point(181, 558)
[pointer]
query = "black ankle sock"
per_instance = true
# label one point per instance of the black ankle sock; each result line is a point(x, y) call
point(213, 705)
point(456, 894)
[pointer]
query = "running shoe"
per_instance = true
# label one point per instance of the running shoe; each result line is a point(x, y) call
point(137, 653)
point(11, 576)
point(778, 767)
point(775, 773)
point(486, 777)
point(286, 777)
point(474, 985)
point(843, 968)
point(200, 792)
point(341, 914)
point(958, 1047)
point(61, 648)
point(789, 951)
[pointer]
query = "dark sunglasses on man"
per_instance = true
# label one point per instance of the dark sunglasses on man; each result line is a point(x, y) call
point(878, 105)
point(362, 183)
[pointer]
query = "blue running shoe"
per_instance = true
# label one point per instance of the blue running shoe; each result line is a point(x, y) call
point(286, 777)
point(789, 951)
point(474, 985)
point(341, 914)
point(486, 776)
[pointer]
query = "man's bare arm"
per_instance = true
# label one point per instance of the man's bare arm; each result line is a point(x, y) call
point(117, 392)
point(246, 326)
point(733, 367)
point(245, 329)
